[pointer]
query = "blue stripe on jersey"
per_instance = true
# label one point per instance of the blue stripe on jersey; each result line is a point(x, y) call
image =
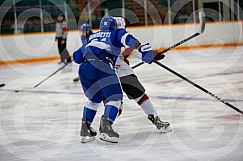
point(91, 53)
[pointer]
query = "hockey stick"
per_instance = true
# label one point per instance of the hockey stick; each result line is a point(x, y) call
point(50, 75)
point(2, 85)
point(199, 87)
point(202, 20)
point(76, 79)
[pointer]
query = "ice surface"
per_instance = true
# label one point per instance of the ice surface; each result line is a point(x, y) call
point(43, 123)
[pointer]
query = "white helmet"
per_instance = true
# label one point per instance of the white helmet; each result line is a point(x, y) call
point(120, 22)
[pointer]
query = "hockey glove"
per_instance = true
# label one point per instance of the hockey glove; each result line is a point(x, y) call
point(149, 55)
point(159, 56)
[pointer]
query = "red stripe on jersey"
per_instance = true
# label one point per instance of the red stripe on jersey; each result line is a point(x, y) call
point(126, 60)
point(127, 52)
point(144, 98)
point(65, 29)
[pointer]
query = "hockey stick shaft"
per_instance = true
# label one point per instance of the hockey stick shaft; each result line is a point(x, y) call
point(2, 85)
point(202, 21)
point(181, 42)
point(50, 76)
point(199, 87)
point(170, 48)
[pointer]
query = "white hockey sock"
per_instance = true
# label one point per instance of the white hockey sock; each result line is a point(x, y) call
point(145, 103)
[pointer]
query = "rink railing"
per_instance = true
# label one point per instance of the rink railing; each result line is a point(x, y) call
point(41, 47)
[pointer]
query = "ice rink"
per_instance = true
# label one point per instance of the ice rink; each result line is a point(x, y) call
point(43, 123)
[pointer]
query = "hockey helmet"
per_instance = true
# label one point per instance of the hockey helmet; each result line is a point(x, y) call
point(85, 28)
point(108, 23)
point(121, 24)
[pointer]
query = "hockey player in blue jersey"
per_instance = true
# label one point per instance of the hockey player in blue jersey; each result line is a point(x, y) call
point(129, 81)
point(86, 31)
point(99, 80)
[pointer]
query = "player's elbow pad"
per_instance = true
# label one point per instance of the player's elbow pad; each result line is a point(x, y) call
point(132, 42)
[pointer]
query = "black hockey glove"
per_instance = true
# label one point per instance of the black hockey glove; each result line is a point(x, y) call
point(159, 56)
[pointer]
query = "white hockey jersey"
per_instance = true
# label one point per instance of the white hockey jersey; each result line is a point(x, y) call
point(123, 69)
point(122, 63)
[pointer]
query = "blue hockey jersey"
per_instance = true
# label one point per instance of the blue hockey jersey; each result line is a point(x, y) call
point(105, 45)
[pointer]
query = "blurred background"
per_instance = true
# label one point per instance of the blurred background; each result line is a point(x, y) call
point(27, 16)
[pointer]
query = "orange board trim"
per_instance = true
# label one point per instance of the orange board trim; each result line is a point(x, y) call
point(56, 58)
point(26, 61)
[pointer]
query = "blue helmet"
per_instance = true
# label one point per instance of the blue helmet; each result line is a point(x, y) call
point(85, 27)
point(108, 23)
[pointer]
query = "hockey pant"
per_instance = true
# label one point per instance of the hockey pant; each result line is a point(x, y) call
point(135, 90)
point(64, 54)
point(100, 83)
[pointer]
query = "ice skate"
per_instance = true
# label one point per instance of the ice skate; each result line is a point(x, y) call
point(163, 127)
point(106, 132)
point(87, 133)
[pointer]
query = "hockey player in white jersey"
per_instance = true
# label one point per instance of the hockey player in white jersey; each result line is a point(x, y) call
point(133, 88)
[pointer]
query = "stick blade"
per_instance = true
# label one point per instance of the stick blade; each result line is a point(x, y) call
point(2, 85)
point(202, 20)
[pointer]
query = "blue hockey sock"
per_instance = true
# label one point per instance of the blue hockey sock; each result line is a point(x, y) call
point(111, 112)
point(89, 114)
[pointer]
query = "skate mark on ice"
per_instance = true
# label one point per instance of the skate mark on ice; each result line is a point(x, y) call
point(193, 98)
point(232, 117)
point(155, 97)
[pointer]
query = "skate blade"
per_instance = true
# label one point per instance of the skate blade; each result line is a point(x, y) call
point(86, 139)
point(166, 130)
point(105, 137)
